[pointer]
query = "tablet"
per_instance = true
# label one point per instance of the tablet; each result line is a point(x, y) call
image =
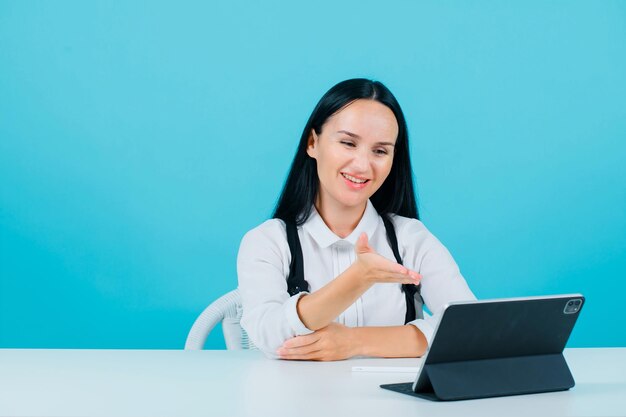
point(491, 348)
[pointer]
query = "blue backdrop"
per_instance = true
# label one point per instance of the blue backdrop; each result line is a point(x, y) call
point(140, 141)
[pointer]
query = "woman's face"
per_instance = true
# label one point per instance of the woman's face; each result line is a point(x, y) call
point(354, 153)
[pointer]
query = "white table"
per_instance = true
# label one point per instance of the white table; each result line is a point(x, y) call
point(244, 383)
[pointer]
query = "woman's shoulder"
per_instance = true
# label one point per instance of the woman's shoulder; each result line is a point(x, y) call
point(269, 230)
point(264, 250)
point(407, 224)
point(412, 232)
point(267, 242)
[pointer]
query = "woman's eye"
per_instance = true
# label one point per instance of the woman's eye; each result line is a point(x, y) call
point(380, 151)
point(350, 144)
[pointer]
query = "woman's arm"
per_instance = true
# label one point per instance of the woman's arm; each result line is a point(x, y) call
point(269, 313)
point(319, 309)
point(271, 316)
point(337, 342)
point(390, 342)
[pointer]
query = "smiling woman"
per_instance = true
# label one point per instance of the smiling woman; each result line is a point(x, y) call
point(342, 267)
point(352, 161)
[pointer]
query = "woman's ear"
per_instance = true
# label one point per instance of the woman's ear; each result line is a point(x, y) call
point(311, 148)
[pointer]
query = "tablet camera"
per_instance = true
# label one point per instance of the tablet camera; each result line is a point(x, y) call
point(572, 306)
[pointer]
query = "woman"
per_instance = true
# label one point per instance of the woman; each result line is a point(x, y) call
point(342, 267)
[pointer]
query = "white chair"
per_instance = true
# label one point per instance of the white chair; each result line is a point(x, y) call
point(228, 310)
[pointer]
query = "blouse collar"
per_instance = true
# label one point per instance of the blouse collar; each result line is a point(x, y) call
point(324, 237)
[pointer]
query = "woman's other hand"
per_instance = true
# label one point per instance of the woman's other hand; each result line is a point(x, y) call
point(332, 343)
point(375, 268)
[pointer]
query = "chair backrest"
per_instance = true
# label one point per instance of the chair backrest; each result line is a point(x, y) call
point(228, 310)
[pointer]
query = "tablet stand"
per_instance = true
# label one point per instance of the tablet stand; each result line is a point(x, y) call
point(465, 380)
point(498, 377)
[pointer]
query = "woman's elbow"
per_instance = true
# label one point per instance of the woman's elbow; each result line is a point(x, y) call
point(266, 341)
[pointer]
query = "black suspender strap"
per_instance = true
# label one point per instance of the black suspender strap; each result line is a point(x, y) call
point(409, 290)
point(295, 282)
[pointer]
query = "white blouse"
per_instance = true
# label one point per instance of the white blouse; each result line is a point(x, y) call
point(269, 313)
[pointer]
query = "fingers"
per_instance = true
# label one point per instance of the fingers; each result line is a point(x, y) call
point(299, 341)
point(377, 268)
point(362, 245)
point(415, 276)
point(300, 348)
point(310, 356)
point(401, 269)
point(331, 343)
point(302, 352)
point(408, 278)
point(399, 273)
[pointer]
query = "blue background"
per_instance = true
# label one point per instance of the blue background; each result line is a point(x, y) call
point(139, 141)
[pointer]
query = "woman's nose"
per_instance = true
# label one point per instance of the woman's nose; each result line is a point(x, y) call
point(362, 161)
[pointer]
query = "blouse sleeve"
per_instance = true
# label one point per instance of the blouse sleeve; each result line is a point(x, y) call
point(442, 281)
point(269, 313)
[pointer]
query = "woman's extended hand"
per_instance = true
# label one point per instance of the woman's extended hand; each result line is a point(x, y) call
point(375, 268)
point(332, 343)
point(318, 309)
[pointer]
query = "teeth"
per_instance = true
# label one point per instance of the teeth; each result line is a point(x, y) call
point(355, 180)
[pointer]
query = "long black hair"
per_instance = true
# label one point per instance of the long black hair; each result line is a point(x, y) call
point(396, 194)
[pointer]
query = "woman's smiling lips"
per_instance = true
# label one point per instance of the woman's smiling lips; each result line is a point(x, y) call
point(355, 182)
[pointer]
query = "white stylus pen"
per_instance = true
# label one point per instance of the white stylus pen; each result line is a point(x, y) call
point(401, 369)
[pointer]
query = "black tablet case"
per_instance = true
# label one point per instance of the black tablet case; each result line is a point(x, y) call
point(497, 348)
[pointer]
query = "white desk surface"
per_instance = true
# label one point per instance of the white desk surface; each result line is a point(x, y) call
point(244, 383)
